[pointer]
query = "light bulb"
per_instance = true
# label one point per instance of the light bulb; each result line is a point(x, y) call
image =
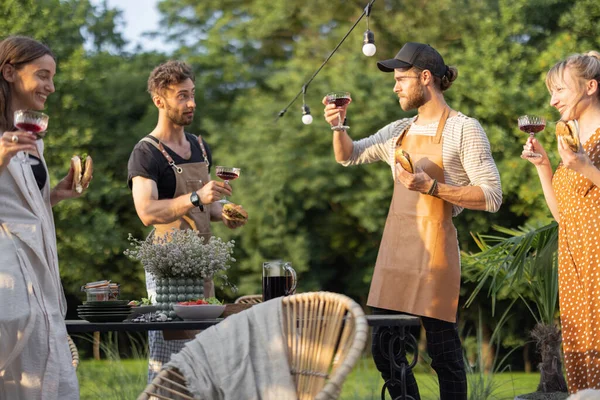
point(369, 49)
point(307, 119)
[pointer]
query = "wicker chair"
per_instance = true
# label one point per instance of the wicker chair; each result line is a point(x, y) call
point(326, 334)
point(74, 352)
point(249, 299)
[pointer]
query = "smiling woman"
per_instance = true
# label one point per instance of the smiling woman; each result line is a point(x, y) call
point(34, 351)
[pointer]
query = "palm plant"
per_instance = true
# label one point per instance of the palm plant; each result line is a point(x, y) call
point(525, 256)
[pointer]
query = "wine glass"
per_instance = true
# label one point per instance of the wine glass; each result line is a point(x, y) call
point(34, 122)
point(340, 99)
point(227, 174)
point(532, 124)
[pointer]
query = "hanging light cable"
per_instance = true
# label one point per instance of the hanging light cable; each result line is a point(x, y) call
point(366, 11)
point(307, 119)
point(368, 48)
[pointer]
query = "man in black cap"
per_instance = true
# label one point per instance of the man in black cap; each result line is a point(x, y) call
point(441, 163)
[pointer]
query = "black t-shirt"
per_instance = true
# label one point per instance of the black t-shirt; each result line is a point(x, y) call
point(39, 171)
point(148, 162)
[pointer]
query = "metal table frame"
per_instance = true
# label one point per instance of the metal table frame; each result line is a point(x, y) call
point(394, 326)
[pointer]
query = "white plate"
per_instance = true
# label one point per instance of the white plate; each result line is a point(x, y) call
point(200, 311)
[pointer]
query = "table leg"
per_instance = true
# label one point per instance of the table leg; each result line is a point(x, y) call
point(96, 346)
point(397, 334)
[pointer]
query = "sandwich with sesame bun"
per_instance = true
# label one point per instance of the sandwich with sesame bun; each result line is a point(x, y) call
point(83, 167)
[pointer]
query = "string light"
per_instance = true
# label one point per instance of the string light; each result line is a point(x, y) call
point(306, 117)
point(368, 48)
point(369, 40)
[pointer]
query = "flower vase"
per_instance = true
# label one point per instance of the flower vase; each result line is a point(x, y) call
point(170, 291)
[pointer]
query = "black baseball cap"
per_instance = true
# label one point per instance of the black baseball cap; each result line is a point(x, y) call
point(419, 55)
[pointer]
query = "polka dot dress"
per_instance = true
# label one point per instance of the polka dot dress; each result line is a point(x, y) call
point(579, 271)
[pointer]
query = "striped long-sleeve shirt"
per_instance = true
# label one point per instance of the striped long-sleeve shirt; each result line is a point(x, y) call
point(466, 154)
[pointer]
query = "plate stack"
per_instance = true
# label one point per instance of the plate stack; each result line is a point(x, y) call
point(104, 311)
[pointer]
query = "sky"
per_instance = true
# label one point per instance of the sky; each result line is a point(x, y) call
point(139, 16)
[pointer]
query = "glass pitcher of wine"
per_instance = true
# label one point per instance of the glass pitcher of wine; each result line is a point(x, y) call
point(279, 279)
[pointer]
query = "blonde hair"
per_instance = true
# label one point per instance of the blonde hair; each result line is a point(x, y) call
point(584, 67)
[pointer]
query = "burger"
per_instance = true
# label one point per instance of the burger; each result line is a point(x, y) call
point(569, 132)
point(83, 167)
point(403, 158)
point(234, 212)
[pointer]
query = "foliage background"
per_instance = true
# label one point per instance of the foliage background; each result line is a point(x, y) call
point(251, 57)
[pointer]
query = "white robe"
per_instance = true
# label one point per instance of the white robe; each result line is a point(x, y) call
point(35, 361)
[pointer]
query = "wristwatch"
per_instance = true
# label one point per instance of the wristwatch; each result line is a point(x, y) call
point(195, 199)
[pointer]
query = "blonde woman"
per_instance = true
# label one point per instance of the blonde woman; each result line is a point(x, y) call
point(573, 195)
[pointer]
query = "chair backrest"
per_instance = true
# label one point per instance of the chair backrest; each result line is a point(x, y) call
point(74, 352)
point(326, 334)
point(249, 299)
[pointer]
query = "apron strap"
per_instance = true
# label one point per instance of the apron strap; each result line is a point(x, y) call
point(438, 133)
point(203, 150)
point(441, 124)
point(401, 137)
point(161, 148)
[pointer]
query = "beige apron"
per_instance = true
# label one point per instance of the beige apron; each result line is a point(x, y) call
point(418, 265)
point(188, 178)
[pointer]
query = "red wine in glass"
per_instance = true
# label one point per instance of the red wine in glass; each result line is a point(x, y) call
point(30, 121)
point(227, 174)
point(29, 127)
point(340, 99)
point(532, 124)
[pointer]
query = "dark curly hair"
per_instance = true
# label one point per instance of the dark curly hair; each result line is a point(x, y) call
point(167, 74)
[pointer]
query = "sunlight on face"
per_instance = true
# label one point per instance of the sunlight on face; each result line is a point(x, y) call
point(180, 103)
point(33, 83)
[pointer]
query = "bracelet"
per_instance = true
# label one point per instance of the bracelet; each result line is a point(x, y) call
point(432, 188)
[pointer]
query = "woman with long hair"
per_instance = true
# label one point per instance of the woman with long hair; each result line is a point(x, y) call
point(572, 193)
point(35, 361)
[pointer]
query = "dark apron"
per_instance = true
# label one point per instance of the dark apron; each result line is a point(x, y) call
point(418, 265)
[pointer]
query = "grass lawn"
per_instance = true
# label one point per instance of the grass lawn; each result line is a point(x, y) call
point(125, 379)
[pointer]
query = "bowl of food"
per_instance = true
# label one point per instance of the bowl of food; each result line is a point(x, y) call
point(199, 309)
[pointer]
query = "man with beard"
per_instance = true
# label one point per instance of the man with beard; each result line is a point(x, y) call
point(418, 266)
point(169, 176)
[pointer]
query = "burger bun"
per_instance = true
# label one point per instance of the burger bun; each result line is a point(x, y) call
point(569, 132)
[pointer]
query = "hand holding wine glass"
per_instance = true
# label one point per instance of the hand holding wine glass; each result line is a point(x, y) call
point(532, 124)
point(34, 122)
point(227, 174)
point(341, 100)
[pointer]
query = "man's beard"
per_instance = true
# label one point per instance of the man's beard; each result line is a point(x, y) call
point(178, 119)
point(415, 99)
